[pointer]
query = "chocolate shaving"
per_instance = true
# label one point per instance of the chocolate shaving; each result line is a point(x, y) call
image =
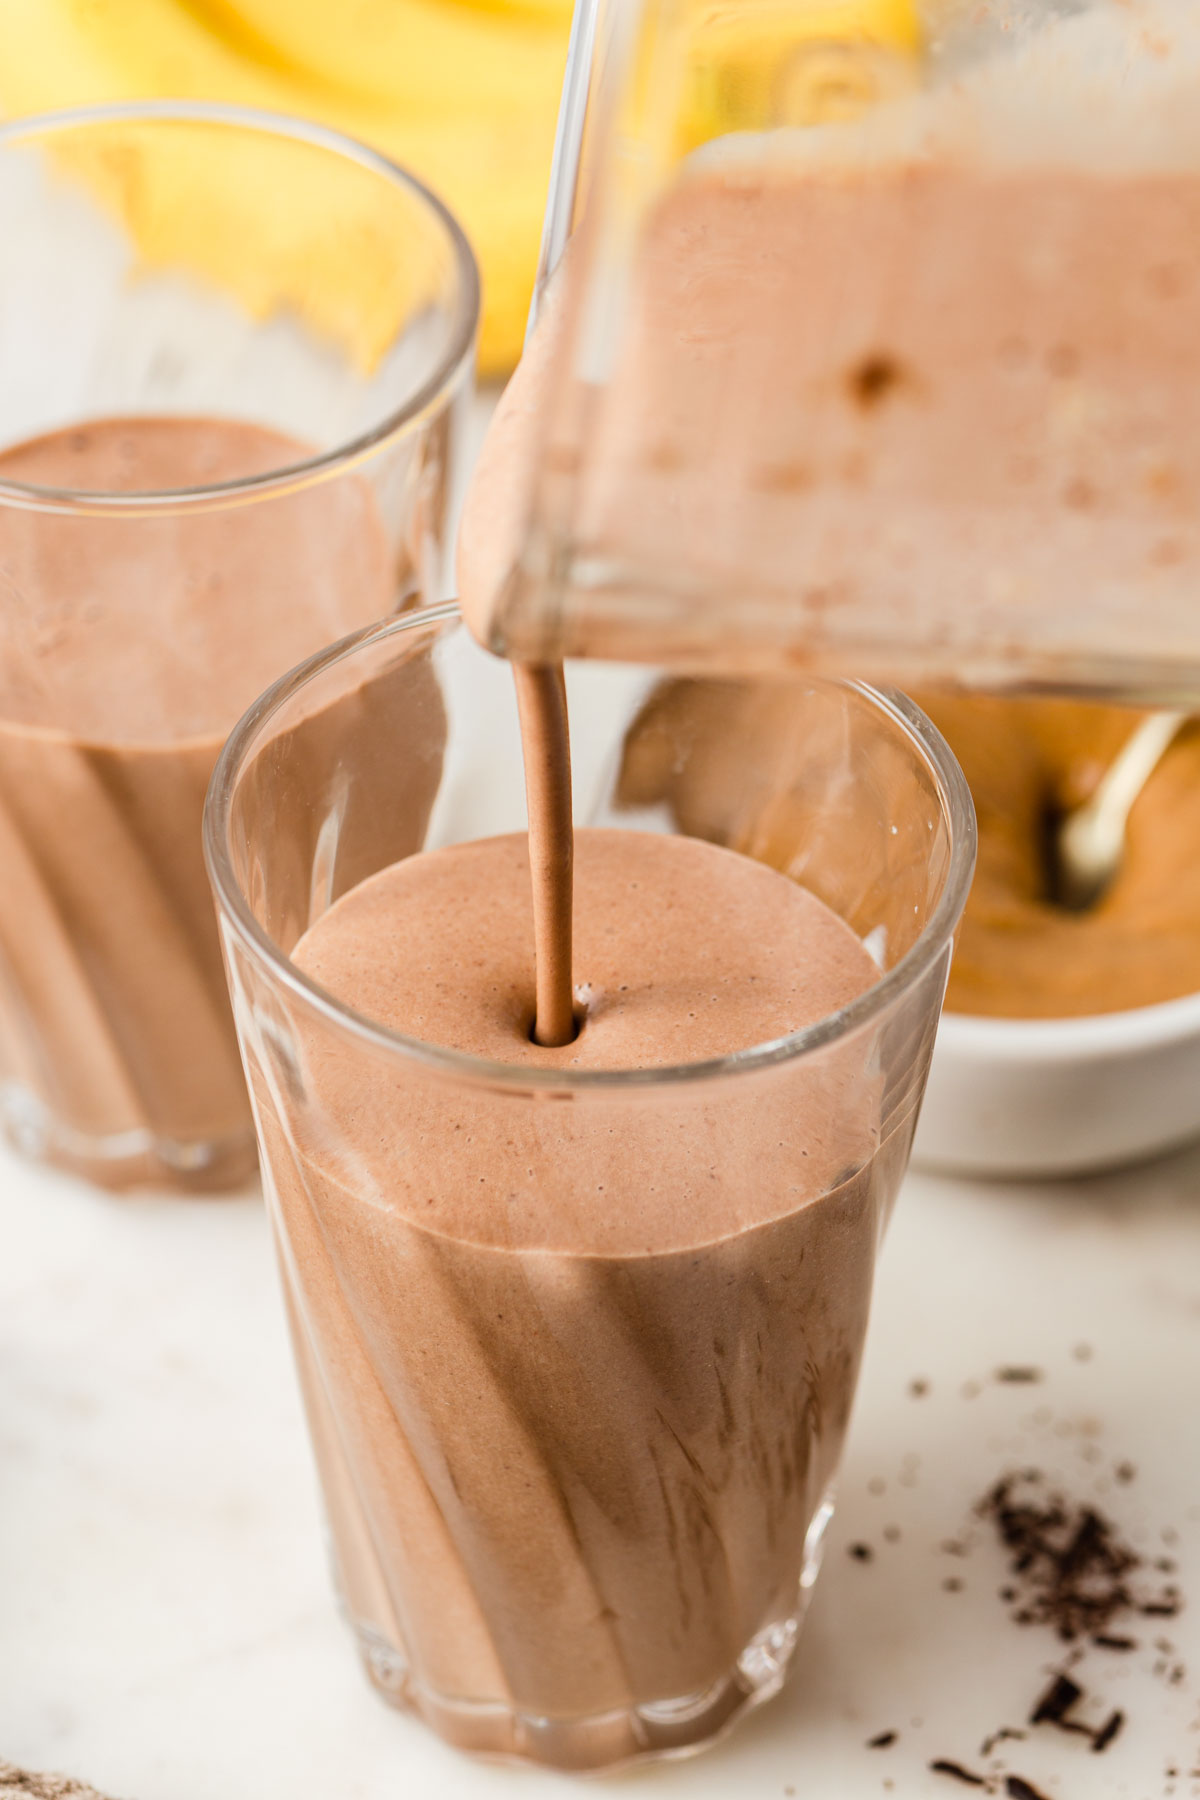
point(1106, 1641)
point(944, 1767)
point(1004, 1734)
point(1018, 1374)
point(1056, 1702)
point(882, 1741)
point(1108, 1731)
point(1019, 1789)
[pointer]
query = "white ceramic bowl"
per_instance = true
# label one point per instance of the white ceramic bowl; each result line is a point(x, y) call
point(1027, 1097)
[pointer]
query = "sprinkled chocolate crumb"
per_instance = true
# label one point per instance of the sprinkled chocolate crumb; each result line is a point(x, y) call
point(1073, 1569)
point(1019, 1789)
point(891, 1534)
point(1108, 1731)
point(882, 1741)
point(871, 381)
point(1106, 1641)
point(861, 1552)
point(944, 1767)
point(1082, 1353)
point(918, 1387)
point(1056, 1702)
point(952, 1585)
point(952, 1547)
point(1125, 1472)
point(1018, 1373)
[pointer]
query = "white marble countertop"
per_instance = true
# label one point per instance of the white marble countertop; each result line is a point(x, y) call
point(167, 1629)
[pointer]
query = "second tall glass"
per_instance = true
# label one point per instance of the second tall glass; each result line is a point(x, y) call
point(234, 351)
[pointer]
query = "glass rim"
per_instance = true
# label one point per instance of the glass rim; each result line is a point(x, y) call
point(953, 792)
point(282, 126)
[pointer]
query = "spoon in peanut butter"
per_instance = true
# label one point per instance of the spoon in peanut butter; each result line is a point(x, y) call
point(1090, 841)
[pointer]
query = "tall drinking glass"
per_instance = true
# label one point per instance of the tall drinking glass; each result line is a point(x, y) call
point(234, 353)
point(577, 1473)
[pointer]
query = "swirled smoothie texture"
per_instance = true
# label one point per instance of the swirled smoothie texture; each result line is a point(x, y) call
point(590, 1357)
point(128, 649)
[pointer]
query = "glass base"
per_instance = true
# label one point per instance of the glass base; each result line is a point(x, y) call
point(124, 1159)
point(605, 1741)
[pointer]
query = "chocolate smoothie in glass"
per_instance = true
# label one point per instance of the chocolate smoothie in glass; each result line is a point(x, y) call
point(226, 444)
point(578, 1326)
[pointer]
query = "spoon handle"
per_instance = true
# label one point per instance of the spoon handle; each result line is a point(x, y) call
point(1130, 770)
point(1090, 840)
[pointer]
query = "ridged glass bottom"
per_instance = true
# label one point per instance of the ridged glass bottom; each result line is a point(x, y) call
point(123, 1159)
point(668, 1728)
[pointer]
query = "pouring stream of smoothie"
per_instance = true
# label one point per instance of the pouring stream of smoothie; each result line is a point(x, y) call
point(545, 734)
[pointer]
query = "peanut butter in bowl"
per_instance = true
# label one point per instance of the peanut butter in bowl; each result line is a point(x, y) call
point(1020, 954)
point(1028, 762)
point(1071, 1040)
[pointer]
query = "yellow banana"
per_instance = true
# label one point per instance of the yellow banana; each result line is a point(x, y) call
point(464, 92)
point(489, 163)
point(431, 55)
